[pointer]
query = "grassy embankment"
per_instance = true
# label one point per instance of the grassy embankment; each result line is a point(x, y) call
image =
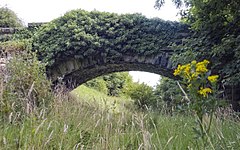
point(96, 121)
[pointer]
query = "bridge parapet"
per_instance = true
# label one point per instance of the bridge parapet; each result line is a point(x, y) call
point(7, 30)
point(36, 24)
point(6, 33)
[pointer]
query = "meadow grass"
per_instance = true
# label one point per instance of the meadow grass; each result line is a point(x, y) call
point(110, 103)
point(84, 124)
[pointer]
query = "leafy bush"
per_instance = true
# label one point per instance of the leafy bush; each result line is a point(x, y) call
point(24, 87)
point(142, 95)
point(113, 84)
point(14, 47)
point(8, 18)
point(168, 92)
point(116, 82)
point(98, 84)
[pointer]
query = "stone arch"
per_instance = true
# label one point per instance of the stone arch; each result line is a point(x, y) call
point(82, 45)
point(74, 71)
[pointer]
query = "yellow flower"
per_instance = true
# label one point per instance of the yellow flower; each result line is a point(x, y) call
point(204, 91)
point(205, 62)
point(195, 75)
point(178, 70)
point(194, 62)
point(187, 70)
point(213, 78)
point(201, 67)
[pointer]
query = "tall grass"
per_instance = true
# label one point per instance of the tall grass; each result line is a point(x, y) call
point(87, 119)
point(23, 85)
point(108, 103)
point(76, 124)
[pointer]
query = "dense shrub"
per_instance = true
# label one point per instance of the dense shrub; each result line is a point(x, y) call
point(142, 95)
point(116, 82)
point(24, 87)
point(14, 47)
point(113, 84)
point(168, 92)
point(8, 18)
point(98, 84)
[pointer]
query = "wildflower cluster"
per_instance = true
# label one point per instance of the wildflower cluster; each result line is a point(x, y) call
point(196, 72)
point(204, 91)
point(201, 88)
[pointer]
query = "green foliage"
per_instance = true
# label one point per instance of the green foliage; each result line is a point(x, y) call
point(23, 33)
point(142, 95)
point(14, 47)
point(220, 27)
point(168, 91)
point(9, 19)
point(98, 84)
point(24, 87)
point(74, 124)
point(81, 34)
point(213, 15)
point(178, 3)
point(201, 94)
point(116, 82)
point(217, 26)
point(113, 84)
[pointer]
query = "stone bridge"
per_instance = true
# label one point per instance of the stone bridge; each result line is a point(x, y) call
point(75, 71)
point(81, 45)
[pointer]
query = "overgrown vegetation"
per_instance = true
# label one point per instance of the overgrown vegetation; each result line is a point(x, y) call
point(8, 18)
point(24, 86)
point(122, 85)
point(35, 117)
point(103, 34)
point(25, 90)
point(74, 124)
point(216, 27)
point(114, 84)
point(169, 95)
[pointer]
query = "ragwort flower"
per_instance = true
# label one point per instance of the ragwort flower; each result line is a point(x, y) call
point(213, 78)
point(178, 70)
point(204, 91)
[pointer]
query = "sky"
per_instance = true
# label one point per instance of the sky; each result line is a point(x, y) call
point(47, 10)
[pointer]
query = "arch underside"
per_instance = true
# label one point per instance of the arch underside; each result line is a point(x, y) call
point(76, 78)
point(76, 72)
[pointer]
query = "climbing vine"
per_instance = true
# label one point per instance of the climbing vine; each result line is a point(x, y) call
point(81, 34)
point(217, 26)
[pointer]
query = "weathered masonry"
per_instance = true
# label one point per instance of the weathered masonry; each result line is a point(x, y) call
point(81, 45)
